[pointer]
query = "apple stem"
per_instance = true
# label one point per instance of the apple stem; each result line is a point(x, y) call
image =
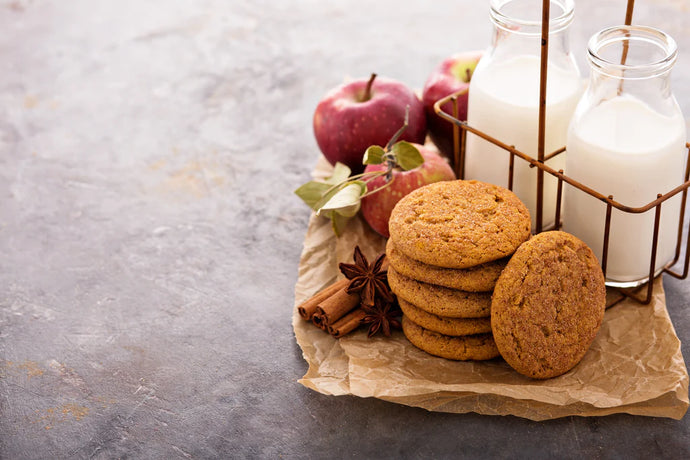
point(367, 90)
point(402, 129)
point(468, 74)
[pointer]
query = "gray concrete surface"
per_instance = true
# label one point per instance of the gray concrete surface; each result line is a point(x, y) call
point(149, 237)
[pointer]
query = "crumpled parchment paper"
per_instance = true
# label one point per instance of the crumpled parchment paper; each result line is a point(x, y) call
point(634, 365)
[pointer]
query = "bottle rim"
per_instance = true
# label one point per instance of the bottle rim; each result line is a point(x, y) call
point(531, 26)
point(632, 36)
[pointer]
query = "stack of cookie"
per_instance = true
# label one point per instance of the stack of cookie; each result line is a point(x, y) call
point(449, 242)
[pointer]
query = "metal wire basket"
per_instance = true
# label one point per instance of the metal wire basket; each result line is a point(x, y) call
point(641, 294)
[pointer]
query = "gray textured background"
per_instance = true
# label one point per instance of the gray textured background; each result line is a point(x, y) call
point(149, 237)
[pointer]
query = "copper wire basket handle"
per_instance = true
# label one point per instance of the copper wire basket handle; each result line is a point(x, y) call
point(460, 129)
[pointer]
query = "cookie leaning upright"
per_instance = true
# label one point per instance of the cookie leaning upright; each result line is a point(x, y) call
point(548, 305)
point(459, 224)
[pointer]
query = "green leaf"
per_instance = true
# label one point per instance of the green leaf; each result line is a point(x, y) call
point(312, 192)
point(407, 155)
point(373, 155)
point(336, 198)
point(349, 211)
point(347, 200)
point(327, 196)
point(340, 174)
point(338, 223)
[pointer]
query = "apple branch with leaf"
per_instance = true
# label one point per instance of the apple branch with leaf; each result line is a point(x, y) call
point(339, 196)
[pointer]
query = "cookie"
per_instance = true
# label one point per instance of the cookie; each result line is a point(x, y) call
point(439, 300)
point(480, 278)
point(443, 325)
point(461, 348)
point(459, 224)
point(548, 305)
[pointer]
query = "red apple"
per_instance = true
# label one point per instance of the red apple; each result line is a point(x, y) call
point(377, 207)
point(452, 75)
point(361, 113)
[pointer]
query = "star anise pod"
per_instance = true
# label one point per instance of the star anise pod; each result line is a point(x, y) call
point(381, 317)
point(369, 280)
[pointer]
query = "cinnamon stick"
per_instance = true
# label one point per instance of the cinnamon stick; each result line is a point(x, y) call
point(307, 308)
point(318, 321)
point(347, 323)
point(337, 306)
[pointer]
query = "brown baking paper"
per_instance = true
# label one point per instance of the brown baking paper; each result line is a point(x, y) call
point(634, 365)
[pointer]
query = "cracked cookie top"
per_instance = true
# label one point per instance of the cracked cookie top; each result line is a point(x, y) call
point(548, 305)
point(459, 224)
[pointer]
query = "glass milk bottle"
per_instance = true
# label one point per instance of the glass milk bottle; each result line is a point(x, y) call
point(504, 98)
point(627, 139)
